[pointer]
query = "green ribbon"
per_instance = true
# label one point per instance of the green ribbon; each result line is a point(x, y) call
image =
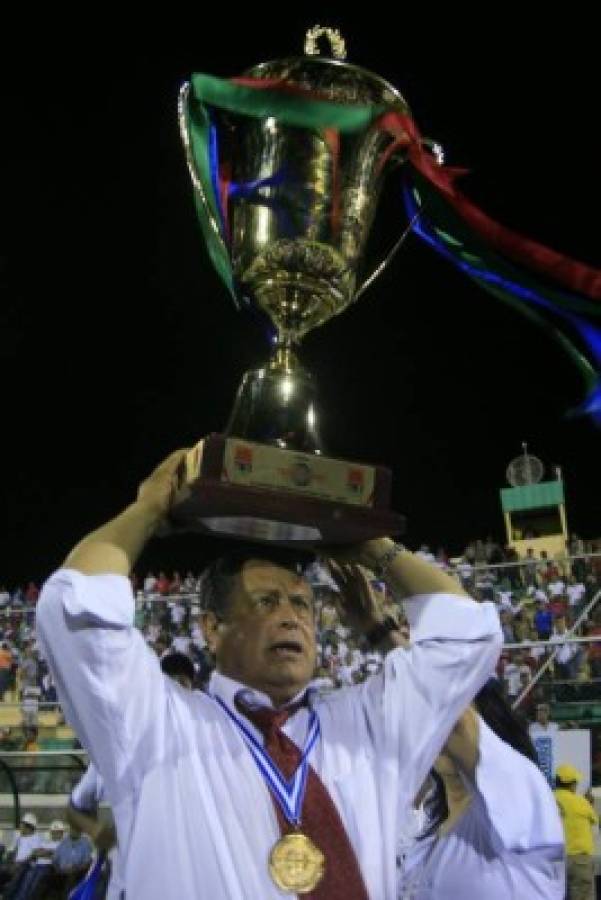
point(462, 243)
point(289, 108)
point(587, 371)
point(198, 125)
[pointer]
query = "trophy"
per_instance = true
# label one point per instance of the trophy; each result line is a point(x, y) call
point(287, 164)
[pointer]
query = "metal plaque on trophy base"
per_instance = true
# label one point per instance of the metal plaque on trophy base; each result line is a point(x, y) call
point(250, 490)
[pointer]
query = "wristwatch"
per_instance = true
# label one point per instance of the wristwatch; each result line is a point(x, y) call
point(385, 561)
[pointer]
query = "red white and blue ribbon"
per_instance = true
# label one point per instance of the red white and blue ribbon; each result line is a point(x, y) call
point(289, 794)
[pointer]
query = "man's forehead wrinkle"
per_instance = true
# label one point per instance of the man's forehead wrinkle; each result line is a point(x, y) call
point(258, 574)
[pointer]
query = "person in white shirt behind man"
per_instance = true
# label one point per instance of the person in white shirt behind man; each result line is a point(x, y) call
point(258, 786)
point(489, 823)
point(485, 821)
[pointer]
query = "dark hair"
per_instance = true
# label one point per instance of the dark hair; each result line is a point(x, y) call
point(216, 581)
point(177, 664)
point(500, 718)
point(436, 807)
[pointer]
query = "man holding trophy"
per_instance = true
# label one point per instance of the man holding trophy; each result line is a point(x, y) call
point(259, 789)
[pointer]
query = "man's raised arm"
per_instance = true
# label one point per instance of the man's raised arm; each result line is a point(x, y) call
point(427, 683)
point(109, 682)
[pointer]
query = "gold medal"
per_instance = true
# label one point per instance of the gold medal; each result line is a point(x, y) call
point(296, 864)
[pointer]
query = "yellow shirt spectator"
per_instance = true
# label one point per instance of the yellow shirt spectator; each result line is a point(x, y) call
point(578, 818)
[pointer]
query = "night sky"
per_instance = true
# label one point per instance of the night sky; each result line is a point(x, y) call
point(119, 342)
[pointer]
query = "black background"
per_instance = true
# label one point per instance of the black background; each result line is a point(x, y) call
point(118, 342)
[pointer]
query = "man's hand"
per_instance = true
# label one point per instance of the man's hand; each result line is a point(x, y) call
point(103, 835)
point(405, 573)
point(368, 554)
point(114, 547)
point(159, 489)
point(358, 603)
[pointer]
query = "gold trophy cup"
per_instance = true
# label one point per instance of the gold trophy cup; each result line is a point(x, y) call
point(288, 204)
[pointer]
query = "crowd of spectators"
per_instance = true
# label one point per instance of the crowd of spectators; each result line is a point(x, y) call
point(538, 599)
point(43, 865)
point(541, 599)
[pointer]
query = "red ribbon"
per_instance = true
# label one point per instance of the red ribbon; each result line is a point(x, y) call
point(575, 275)
point(225, 179)
point(332, 139)
point(279, 84)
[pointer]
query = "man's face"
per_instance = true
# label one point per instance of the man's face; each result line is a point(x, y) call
point(268, 640)
point(542, 715)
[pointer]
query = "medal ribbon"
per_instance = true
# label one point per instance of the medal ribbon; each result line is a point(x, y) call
point(289, 794)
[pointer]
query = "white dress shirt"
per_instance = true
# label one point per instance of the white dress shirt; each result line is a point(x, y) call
point(575, 593)
point(535, 729)
point(50, 845)
point(26, 844)
point(565, 652)
point(192, 811)
point(88, 793)
point(508, 845)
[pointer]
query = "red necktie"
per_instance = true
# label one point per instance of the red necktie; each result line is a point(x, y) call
point(319, 818)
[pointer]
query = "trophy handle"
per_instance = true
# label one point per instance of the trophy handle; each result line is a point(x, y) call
point(438, 153)
point(216, 244)
point(387, 259)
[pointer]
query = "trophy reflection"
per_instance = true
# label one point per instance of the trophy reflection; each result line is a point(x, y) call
point(287, 165)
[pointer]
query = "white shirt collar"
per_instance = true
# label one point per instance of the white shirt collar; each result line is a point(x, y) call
point(228, 690)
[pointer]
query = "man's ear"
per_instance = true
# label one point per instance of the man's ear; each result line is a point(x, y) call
point(210, 628)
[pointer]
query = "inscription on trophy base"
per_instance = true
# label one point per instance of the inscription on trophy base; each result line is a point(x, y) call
point(242, 489)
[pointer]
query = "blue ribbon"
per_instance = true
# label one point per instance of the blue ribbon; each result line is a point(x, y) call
point(214, 166)
point(589, 334)
point(290, 794)
point(86, 889)
point(249, 188)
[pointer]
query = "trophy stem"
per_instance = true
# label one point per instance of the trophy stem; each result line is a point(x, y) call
point(284, 359)
point(277, 405)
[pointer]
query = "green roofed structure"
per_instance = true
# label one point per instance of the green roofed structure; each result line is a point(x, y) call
point(534, 510)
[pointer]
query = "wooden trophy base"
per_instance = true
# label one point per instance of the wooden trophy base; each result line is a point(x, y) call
point(241, 489)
